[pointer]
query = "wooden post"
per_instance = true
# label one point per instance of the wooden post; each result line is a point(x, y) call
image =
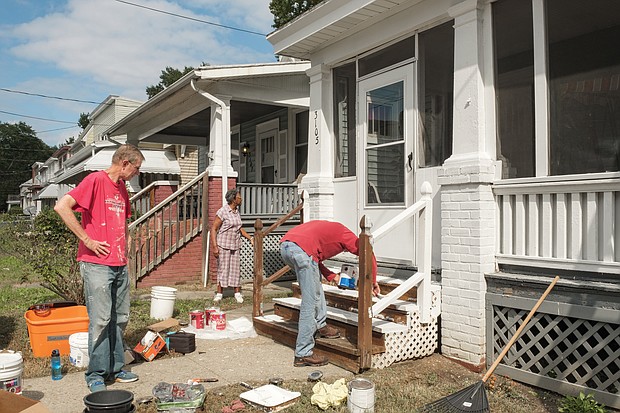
point(364, 321)
point(257, 304)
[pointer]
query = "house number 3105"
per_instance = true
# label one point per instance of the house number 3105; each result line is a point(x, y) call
point(316, 128)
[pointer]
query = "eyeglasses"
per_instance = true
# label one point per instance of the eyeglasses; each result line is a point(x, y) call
point(134, 165)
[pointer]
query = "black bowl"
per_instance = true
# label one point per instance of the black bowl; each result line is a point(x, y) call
point(109, 401)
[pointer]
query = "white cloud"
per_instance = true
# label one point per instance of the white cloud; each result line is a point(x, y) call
point(126, 47)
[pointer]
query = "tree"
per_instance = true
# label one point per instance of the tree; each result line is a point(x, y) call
point(19, 149)
point(286, 10)
point(83, 121)
point(168, 76)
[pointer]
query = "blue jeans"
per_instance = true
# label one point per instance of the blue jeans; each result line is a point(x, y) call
point(106, 290)
point(313, 311)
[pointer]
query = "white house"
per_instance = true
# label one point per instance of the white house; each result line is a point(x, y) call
point(511, 110)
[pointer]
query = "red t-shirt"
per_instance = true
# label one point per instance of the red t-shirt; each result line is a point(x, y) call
point(324, 239)
point(105, 208)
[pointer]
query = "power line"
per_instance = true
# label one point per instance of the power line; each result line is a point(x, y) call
point(21, 92)
point(36, 117)
point(57, 129)
point(190, 18)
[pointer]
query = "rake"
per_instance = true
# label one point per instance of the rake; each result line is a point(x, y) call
point(474, 398)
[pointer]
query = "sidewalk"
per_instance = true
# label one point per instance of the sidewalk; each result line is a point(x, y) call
point(230, 361)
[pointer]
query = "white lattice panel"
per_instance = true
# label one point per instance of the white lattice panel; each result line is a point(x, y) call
point(272, 261)
point(418, 341)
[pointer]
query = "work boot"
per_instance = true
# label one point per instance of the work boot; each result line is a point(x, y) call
point(311, 360)
point(328, 332)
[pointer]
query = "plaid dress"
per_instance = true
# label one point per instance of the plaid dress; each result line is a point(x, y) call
point(229, 244)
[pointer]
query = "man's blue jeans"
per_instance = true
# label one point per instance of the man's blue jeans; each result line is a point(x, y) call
point(106, 290)
point(313, 312)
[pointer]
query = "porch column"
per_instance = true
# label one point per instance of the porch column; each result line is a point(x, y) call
point(318, 181)
point(467, 204)
point(222, 176)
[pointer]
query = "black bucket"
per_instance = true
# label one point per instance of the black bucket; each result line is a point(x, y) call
point(109, 401)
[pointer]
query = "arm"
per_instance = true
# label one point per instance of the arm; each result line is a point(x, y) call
point(217, 223)
point(245, 234)
point(64, 208)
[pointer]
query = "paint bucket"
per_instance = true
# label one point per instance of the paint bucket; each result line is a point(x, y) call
point(162, 302)
point(208, 312)
point(78, 344)
point(11, 369)
point(197, 318)
point(361, 396)
point(109, 401)
point(217, 321)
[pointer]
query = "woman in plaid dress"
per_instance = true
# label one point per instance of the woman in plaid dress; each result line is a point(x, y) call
point(226, 239)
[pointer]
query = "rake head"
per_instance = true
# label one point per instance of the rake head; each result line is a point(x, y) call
point(471, 399)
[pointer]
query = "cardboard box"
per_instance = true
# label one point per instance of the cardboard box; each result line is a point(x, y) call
point(11, 402)
point(150, 345)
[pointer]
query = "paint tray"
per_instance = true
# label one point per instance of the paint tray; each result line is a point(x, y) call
point(270, 398)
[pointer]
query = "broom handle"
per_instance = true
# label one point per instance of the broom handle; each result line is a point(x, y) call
point(519, 330)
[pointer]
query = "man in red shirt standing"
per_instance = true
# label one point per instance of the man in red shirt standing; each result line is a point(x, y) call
point(103, 201)
point(304, 248)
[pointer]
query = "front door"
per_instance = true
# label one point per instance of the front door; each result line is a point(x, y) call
point(387, 131)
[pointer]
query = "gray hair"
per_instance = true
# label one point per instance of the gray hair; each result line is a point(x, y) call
point(231, 194)
point(127, 152)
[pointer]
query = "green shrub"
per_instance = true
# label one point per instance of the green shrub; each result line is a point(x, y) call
point(51, 249)
point(581, 404)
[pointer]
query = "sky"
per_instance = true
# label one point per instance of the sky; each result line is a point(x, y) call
point(86, 50)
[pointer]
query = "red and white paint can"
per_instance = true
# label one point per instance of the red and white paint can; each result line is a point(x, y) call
point(218, 321)
point(208, 312)
point(197, 318)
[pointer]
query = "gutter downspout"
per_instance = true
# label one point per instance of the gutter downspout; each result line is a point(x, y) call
point(222, 105)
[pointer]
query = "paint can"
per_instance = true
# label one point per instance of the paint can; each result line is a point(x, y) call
point(218, 321)
point(208, 312)
point(11, 369)
point(197, 319)
point(361, 396)
point(345, 281)
point(78, 342)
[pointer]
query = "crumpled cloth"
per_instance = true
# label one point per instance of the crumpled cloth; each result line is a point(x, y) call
point(329, 395)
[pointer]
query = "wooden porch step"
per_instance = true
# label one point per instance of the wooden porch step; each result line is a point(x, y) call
point(341, 351)
point(348, 299)
point(344, 317)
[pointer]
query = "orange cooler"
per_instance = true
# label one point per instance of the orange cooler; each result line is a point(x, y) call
point(53, 330)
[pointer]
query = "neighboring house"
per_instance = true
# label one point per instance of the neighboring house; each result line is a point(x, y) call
point(511, 110)
point(241, 125)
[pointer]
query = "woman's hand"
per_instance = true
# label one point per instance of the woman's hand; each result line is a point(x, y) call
point(216, 251)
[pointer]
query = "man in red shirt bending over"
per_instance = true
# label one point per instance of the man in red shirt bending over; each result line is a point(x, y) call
point(304, 248)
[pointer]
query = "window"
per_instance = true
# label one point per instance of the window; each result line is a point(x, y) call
point(435, 86)
point(388, 56)
point(301, 143)
point(385, 144)
point(344, 120)
point(582, 68)
point(584, 90)
point(514, 87)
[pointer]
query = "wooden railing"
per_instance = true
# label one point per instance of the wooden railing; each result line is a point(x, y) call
point(168, 226)
point(568, 223)
point(259, 235)
point(144, 200)
point(267, 201)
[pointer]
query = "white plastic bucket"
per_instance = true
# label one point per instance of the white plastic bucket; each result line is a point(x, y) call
point(361, 396)
point(78, 344)
point(11, 369)
point(162, 302)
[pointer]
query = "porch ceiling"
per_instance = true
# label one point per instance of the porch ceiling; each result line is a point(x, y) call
point(194, 130)
point(329, 21)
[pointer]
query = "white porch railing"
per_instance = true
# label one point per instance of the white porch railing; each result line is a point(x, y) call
point(569, 223)
point(422, 279)
point(267, 200)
